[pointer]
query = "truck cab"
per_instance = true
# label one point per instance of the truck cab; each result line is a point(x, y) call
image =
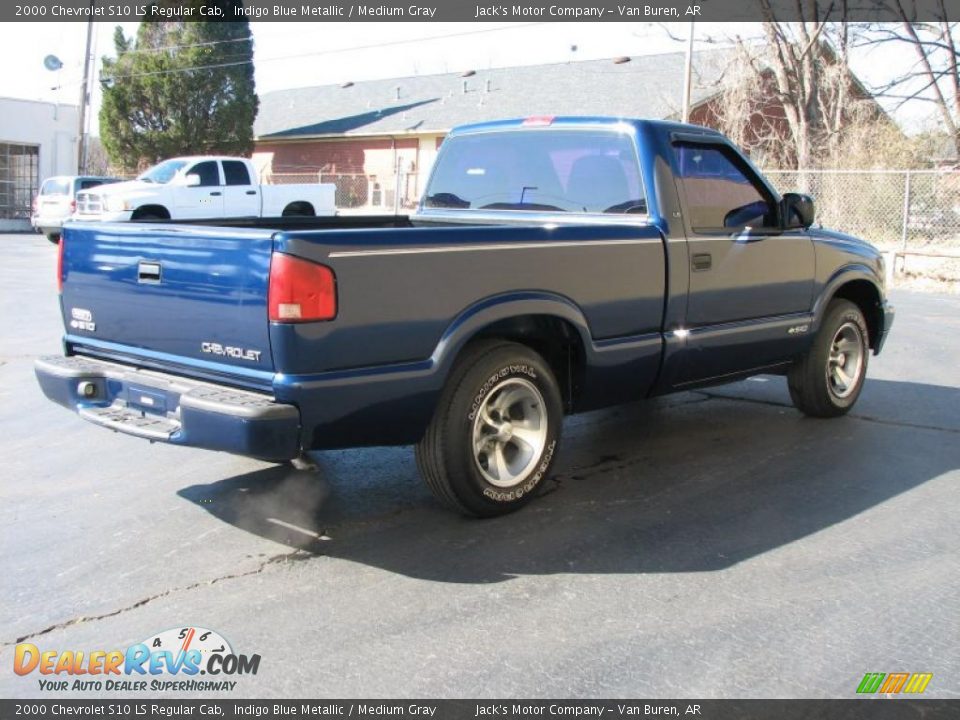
point(201, 187)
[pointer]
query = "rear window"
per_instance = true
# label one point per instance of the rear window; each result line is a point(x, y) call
point(538, 170)
point(88, 183)
point(56, 186)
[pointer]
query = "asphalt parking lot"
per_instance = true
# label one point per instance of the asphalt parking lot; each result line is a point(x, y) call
point(712, 544)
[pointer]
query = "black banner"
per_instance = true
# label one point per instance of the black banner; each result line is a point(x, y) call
point(113, 11)
point(876, 709)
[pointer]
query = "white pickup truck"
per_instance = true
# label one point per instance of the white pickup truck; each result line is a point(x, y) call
point(202, 187)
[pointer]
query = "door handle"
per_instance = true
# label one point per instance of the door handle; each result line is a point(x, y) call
point(216, 193)
point(701, 261)
point(148, 272)
point(251, 192)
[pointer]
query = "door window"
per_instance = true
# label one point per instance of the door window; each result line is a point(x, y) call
point(235, 172)
point(208, 172)
point(720, 194)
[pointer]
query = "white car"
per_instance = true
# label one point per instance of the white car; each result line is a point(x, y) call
point(202, 187)
point(57, 201)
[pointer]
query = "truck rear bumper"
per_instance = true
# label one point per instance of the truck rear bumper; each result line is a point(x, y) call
point(168, 408)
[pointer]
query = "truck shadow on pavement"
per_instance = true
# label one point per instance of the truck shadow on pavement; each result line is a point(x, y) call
point(691, 483)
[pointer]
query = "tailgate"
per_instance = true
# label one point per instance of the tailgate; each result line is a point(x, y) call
point(195, 297)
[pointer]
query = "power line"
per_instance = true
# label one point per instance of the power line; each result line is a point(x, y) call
point(184, 47)
point(317, 53)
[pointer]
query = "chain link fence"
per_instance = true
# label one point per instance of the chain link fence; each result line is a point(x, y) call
point(359, 193)
point(908, 211)
point(914, 214)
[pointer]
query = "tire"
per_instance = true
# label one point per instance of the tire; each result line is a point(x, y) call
point(827, 380)
point(148, 217)
point(472, 456)
point(54, 238)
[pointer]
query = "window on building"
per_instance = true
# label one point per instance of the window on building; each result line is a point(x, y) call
point(19, 179)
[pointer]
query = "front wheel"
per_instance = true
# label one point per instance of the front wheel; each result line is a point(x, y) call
point(495, 431)
point(827, 381)
point(54, 238)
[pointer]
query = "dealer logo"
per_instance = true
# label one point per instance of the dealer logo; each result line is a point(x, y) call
point(171, 660)
point(894, 683)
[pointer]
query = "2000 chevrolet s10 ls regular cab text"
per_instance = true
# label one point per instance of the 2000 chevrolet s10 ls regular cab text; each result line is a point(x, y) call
point(553, 266)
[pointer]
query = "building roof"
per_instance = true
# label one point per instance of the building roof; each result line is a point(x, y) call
point(646, 86)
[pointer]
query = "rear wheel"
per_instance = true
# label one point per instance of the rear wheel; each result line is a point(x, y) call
point(827, 381)
point(54, 238)
point(494, 434)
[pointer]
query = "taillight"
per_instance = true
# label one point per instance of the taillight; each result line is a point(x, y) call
point(35, 205)
point(60, 264)
point(300, 291)
point(538, 120)
point(73, 206)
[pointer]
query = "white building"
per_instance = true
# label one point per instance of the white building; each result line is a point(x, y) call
point(37, 140)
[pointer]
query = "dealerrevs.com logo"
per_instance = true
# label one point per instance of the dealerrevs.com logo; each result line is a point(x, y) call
point(173, 660)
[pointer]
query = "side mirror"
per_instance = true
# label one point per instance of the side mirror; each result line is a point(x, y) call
point(192, 180)
point(797, 210)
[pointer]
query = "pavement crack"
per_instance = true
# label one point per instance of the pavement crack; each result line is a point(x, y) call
point(273, 560)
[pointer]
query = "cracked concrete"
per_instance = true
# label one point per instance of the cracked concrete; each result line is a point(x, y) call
point(712, 544)
point(285, 557)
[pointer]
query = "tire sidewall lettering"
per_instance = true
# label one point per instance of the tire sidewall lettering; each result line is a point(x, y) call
point(529, 485)
point(494, 379)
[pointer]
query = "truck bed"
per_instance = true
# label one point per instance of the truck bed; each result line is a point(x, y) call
point(191, 299)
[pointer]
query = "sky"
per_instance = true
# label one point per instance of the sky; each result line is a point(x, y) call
point(296, 54)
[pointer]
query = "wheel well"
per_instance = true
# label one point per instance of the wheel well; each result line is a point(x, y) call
point(148, 210)
point(864, 295)
point(555, 340)
point(300, 208)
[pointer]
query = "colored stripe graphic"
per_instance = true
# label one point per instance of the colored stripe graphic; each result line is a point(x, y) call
point(894, 682)
point(918, 682)
point(871, 682)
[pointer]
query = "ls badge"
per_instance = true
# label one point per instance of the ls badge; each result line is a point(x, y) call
point(81, 319)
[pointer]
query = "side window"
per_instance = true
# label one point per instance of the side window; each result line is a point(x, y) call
point(87, 184)
point(235, 173)
point(720, 195)
point(208, 172)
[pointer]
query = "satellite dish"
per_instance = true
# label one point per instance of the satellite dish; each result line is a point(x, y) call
point(52, 62)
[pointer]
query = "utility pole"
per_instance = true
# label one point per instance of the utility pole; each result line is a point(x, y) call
point(687, 72)
point(85, 99)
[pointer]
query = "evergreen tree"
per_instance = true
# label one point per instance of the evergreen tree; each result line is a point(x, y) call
point(183, 88)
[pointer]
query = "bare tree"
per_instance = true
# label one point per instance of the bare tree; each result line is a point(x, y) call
point(934, 77)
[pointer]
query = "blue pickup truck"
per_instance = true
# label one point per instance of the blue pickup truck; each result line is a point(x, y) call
point(554, 266)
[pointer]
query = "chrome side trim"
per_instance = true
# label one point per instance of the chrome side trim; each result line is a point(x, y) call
point(483, 248)
point(526, 217)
